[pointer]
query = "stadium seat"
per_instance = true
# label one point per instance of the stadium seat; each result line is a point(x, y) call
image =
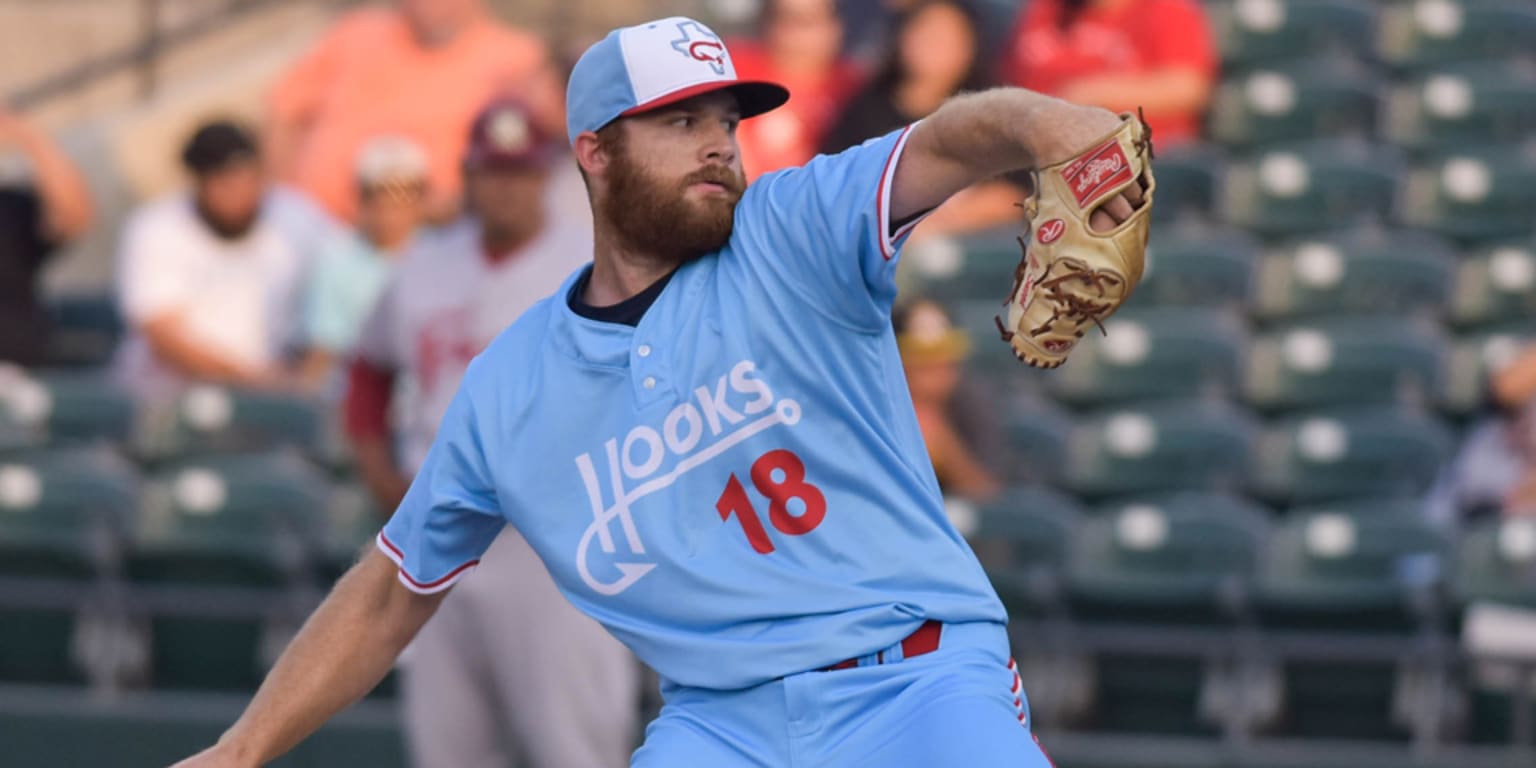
point(1037, 432)
point(1477, 194)
point(1462, 106)
point(226, 522)
point(1312, 187)
point(1180, 557)
point(212, 419)
point(1495, 285)
point(63, 408)
point(1159, 447)
point(1496, 562)
point(1157, 352)
point(86, 329)
point(1186, 182)
point(1374, 571)
point(61, 514)
point(978, 266)
point(1198, 268)
point(1414, 35)
point(1395, 271)
point(1473, 357)
point(1350, 452)
point(1268, 105)
point(1183, 559)
point(1345, 360)
point(349, 522)
point(1253, 32)
point(1022, 540)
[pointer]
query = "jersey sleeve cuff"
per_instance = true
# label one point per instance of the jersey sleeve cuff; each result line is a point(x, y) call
point(414, 584)
point(890, 242)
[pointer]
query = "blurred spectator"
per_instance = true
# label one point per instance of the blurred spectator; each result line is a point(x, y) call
point(351, 268)
point(1495, 470)
point(38, 216)
point(420, 69)
point(209, 281)
point(507, 666)
point(936, 55)
point(932, 352)
point(800, 45)
point(1120, 54)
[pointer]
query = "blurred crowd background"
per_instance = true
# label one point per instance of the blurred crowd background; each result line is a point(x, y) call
point(1283, 514)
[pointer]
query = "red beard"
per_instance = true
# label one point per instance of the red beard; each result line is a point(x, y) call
point(655, 217)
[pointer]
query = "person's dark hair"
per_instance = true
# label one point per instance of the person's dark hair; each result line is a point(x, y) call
point(891, 72)
point(217, 144)
point(1070, 10)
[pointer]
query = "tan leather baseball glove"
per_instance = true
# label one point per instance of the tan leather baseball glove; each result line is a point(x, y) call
point(1071, 276)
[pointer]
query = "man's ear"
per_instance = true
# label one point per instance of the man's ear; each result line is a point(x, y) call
point(590, 153)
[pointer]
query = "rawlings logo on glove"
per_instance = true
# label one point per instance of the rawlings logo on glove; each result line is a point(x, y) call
point(1071, 276)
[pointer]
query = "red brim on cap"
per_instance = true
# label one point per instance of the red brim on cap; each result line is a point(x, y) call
point(753, 97)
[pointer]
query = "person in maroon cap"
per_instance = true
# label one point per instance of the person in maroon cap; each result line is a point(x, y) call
point(569, 696)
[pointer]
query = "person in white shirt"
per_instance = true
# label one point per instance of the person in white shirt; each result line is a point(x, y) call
point(568, 695)
point(209, 279)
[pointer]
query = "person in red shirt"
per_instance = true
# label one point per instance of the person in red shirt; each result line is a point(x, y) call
point(801, 48)
point(1119, 54)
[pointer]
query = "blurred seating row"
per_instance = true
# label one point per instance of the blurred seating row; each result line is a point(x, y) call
point(1177, 613)
point(1404, 35)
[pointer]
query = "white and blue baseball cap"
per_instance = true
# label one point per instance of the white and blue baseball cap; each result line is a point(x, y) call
point(647, 66)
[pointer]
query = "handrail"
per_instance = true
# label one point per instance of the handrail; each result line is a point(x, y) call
point(143, 53)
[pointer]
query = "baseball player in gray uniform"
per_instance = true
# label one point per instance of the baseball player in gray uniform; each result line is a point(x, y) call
point(567, 695)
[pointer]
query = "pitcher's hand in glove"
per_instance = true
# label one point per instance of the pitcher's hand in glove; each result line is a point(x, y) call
point(1084, 244)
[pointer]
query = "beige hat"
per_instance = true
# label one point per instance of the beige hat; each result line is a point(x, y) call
point(385, 159)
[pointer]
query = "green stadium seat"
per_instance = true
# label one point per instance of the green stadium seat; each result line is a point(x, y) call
point(1175, 559)
point(1300, 101)
point(212, 419)
point(63, 407)
point(226, 520)
point(230, 523)
point(1414, 35)
point(1181, 557)
point(1159, 447)
point(1478, 194)
point(1037, 433)
point(1345, 360)
point(61, 514)
point(1253, 32)
point(86, 329)
point(1496, 563)
point(1396, 271)
point(1157, 352)
point(349, 522)
point(1350, 452)
point(1022, 540)
point(1473, 357)
point(1198, 268)
point(1495, 285)
point(978, 266)
point(1461, 106)
point(1312, 187)
point(1186, 182)
point(1373, 571)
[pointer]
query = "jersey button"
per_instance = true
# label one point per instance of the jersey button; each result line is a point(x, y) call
point(650, 382)
point(644, 350)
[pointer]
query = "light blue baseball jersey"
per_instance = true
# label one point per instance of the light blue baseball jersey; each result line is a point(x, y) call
point(736, 487)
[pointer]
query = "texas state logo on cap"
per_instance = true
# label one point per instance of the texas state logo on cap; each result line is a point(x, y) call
point(640, 68)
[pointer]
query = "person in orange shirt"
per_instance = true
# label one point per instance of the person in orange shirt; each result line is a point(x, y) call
point(801, 48)
point(421, 69)
point(1120, 54)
